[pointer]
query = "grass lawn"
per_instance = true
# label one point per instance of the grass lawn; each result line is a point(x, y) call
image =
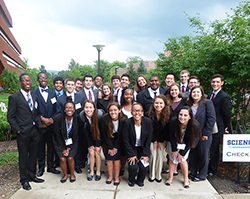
point(4, 99)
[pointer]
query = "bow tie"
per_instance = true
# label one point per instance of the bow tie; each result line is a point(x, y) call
point(44, 90)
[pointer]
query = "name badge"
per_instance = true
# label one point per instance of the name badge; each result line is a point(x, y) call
point(53, 100)
point(35, 105)
point(181, 146)
point(78, 106)
point(68, 141)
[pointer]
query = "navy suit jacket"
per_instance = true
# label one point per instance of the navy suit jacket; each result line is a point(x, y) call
point(47, 109)
point(146, 100)
point(129, 136)
point(82, 95)
point(223, 109)
point(205, 115)
point(19, 115)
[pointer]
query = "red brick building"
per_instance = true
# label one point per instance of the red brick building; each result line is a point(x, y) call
point(10, 50)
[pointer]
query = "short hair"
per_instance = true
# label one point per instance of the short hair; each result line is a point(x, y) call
point(115, 77)
point(23, 74)
point(87, 76)
point(218, 75)
point(170, 74)
point(194, 77)
point(126, 75)
point(78, 79)
point(58, 79)
point(98, 76)
point(184, 71)
point(41, 73)
point(154, 76)
point(70, 79)
point(137, 103)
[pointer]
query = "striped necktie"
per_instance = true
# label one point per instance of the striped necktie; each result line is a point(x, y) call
point(29, 102)
point(90, 96)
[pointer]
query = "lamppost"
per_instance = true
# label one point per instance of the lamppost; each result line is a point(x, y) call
point(99, 49)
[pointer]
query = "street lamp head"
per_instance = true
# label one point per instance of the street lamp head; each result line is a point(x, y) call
point(99, 47)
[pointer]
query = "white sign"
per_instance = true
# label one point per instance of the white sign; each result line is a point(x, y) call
point(236, 148)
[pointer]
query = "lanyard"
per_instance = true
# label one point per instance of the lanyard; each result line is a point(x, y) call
point(69, 127)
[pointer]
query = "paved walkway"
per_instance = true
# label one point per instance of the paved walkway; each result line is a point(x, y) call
point(81, 189)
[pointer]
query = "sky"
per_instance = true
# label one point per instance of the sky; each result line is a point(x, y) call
point(52, 32)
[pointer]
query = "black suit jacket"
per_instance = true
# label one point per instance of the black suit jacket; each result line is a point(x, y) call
point(129, 136)
point(62, 99)
point(144, 98)
point(61, 131)
point(223, 109)
point(205, 115)
point(19, 115)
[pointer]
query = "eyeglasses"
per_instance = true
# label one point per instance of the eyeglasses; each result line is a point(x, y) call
point(137, 111)
point(42, 78)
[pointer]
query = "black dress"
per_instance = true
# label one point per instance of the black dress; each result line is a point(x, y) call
point(108, 142)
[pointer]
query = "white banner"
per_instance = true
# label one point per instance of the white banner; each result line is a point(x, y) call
point(236, 148)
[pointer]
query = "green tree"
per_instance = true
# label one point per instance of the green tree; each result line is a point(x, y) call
point(132, 74)
point(222, 48)
point(141, 69)
point(10, 81)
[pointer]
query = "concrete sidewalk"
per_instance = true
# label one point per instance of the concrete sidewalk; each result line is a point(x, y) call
point(52, 188)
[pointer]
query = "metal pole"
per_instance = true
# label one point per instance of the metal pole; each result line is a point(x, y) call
point(98, 61)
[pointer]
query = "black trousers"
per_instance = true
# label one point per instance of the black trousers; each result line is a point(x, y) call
point(137, 172)
point(214, 155)
point(199, 159)
point(82, 151)
point(27, 144)
point(46, 139)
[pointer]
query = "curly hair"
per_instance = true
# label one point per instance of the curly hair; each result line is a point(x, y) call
point(165, 114)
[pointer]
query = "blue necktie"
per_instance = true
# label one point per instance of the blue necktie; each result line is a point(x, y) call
point(29, 102)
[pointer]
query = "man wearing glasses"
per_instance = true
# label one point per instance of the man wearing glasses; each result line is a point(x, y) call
point(47, 107)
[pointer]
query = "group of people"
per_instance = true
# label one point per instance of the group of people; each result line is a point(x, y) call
point(134, 125)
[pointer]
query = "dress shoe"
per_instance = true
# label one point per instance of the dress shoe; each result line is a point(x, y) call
point(158, 180)
point(63, 180)
point(26, 186)
point(191, 176)
point(39, 173)
point(72, 180)
point(186, 186)
point(140, 184)
point(116, 183)
point(37, 180)
point(197, 179)
point(53, 170)
point(90, 177)
point(131, 184)
point(151, 180)
point(210, 174)
point(78, 170)
point(168, 183)
point(97, 177)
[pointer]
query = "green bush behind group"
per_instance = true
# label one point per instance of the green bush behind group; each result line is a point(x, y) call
point(220, 46)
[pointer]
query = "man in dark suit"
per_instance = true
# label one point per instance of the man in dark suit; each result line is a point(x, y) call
point(184, 76)
point(223, 109)
point(25, 121)
point(86, 93)
point(69, 95)
point(147, 96)
point(47, 107)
